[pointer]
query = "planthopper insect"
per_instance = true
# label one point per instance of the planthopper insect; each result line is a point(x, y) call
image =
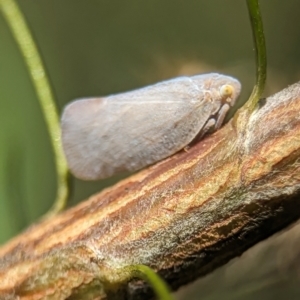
point(127, 132)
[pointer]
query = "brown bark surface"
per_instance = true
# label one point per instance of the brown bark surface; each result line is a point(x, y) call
point(183, 217)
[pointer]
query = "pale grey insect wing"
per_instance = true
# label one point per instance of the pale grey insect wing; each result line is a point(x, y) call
point(104, 136)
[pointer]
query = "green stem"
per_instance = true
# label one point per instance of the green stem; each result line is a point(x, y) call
point(25, 41)
point(159, 286)
point(260, 52)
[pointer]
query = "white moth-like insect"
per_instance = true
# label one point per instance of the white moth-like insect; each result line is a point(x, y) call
point(127, 132)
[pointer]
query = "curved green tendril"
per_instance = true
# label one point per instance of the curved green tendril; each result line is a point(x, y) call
point(260, 52)
point(159, 286)
point(29, 50)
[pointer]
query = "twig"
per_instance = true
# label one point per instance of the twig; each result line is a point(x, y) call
point(182, 217)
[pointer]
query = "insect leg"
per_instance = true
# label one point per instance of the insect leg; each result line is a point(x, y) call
point(221, 115)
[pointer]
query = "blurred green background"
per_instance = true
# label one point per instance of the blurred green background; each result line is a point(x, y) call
point(93, 48)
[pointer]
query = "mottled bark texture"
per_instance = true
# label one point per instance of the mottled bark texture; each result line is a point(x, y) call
point(183, 217)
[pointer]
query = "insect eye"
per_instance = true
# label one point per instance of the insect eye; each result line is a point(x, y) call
point(226, 90)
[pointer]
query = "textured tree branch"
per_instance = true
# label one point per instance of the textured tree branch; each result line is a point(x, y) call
point(183, 217)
